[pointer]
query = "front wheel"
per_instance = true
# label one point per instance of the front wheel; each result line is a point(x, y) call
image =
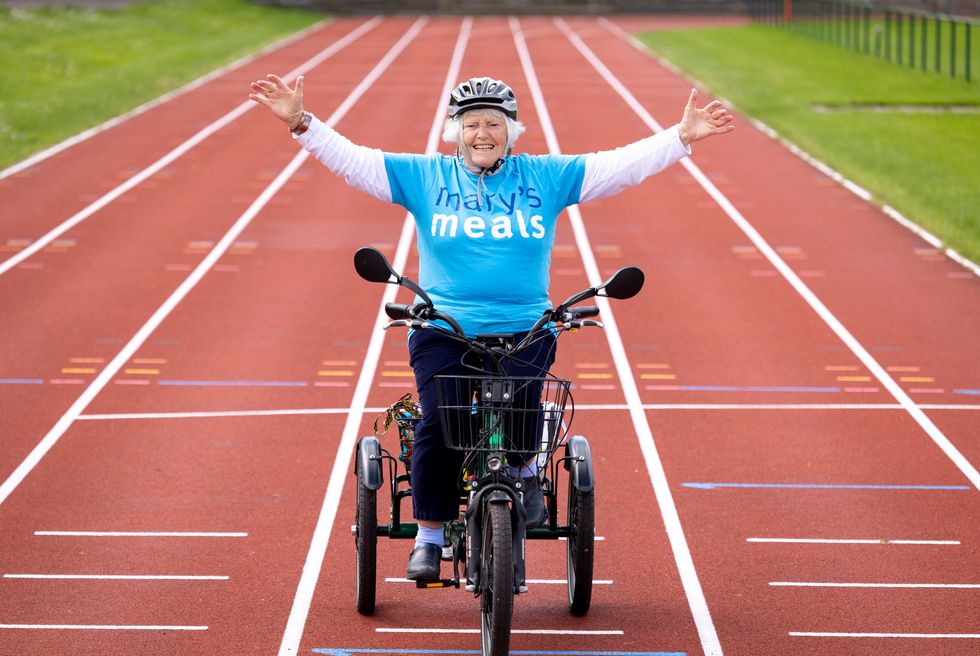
point(496, 581)
point(580, 548)
point(366, 543)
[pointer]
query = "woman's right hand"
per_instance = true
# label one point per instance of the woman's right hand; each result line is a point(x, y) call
point(285, 103)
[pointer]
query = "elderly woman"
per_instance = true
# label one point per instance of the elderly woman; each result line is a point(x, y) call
point(486, 226)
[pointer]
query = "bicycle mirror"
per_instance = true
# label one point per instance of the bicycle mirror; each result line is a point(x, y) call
point(372, 265)
point(625, 283)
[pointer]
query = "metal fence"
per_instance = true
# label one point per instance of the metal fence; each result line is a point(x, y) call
point(520, 7)
point(908, 37)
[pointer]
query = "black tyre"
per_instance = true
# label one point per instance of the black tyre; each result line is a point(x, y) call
point(496, 581)
point(366, 541)
point(580, 548)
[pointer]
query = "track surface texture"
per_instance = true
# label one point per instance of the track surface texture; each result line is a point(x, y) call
point(785, 423)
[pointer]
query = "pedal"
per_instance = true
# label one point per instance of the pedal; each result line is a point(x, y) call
point(441, 583)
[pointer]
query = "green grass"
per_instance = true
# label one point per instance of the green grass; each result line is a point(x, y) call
point(63, 70)
point(924, 165)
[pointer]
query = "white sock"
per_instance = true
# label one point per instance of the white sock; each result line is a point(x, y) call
point(527, 470)
point(429, 536)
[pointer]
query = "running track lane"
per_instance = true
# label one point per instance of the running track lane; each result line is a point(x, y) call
point(134, 253)
point(222, 470)
point(609, 253)
point(33, 205)
point(706, 293)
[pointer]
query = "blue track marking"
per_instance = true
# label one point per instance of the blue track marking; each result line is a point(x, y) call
point(971, 392)
point(823, 486)
point(235, 383)
point(21, 381)
point(349, 652)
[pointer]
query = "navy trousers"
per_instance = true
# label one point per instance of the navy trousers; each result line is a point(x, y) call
point(435, 467)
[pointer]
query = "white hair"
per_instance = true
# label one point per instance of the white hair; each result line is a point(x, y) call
point(452, 133)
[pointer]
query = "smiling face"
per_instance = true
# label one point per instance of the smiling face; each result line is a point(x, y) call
point(484, 136)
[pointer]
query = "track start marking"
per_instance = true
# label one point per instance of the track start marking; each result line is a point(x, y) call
point(513, 631)
point(138, 534)
point(816, 634)
point(102, 627)
point(349, 651)
point(850, 541)
point(804, 584)
point(117, 577)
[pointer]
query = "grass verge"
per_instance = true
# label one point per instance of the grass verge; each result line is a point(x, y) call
point(923, 164)
point(66, 69)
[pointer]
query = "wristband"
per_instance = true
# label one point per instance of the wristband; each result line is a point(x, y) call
point(304, 124)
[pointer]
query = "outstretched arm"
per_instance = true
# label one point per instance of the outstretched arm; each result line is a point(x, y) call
point(608, 172)
point(361, 167)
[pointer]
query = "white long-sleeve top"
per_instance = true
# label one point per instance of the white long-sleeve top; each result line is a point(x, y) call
point(607, 172)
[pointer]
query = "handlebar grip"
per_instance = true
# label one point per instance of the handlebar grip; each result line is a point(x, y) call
point(397, 311)
point(584, 311)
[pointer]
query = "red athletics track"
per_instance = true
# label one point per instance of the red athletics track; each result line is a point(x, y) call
point(712, 316)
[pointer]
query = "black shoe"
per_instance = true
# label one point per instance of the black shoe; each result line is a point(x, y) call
point(423, 564)
point(537, 512)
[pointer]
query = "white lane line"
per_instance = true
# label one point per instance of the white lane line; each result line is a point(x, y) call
point(345, 450)
point(117, 577)
point(852, 541)
point(658, 477)
point(815, 584)
point(530, 581)
point(565, 581)
point(766, 406)
point(103, 627)
point(137, 341)
point(780, 265)
point(140, 534)
point(578, 407)
point(514, 631)
point(792, 406)
point(177, 152)
point(170, 95)
point(226, 413)
point(821, 634)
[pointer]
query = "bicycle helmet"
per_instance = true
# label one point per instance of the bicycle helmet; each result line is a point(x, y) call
point(482, 93)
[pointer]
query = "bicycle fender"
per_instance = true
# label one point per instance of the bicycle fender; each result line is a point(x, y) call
point(368, 454)
point(498, 496)
point(582, 470)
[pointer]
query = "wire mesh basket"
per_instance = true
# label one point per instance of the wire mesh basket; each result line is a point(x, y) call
point(489, 413)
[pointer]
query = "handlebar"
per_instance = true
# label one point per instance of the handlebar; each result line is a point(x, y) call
point(583, 312)
point(418, 316)
point(373, 266)
point(398, 311)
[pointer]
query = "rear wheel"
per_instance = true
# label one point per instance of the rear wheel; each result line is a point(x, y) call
point(366, 541)
point(580, 548)
point(496, 581)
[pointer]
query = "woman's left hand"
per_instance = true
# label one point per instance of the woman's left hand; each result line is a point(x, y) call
point(701, 123)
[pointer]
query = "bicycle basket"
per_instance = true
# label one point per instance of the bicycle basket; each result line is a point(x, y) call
point(490, 413)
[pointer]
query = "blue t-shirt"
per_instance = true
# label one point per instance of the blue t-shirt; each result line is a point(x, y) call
point(486, 267)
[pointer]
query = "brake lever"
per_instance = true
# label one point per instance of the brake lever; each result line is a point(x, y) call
point(414, 324)
point(572, 326)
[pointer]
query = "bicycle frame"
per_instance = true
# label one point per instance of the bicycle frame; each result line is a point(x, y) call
point(488, 483)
